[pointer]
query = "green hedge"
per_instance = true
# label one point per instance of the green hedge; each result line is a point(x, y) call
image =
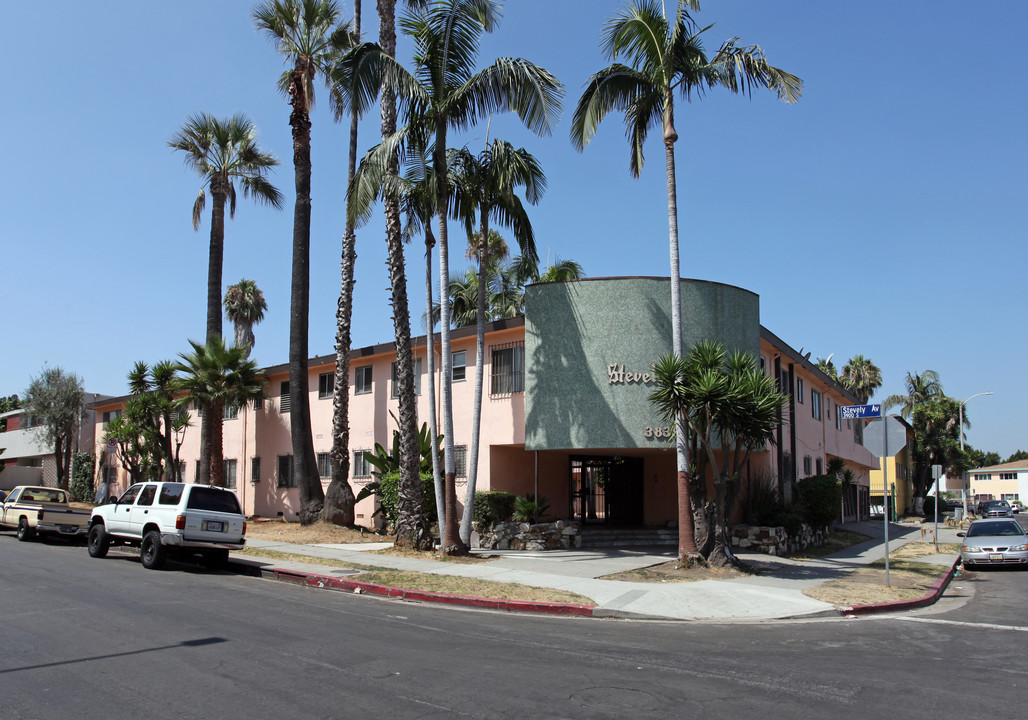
point(492, 507)
point(820, 500)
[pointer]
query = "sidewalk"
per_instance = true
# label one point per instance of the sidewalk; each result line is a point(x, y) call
point(777, 593)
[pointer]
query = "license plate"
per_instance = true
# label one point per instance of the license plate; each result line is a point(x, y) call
point(69, 529)
point(215, 526)
point(995, 556)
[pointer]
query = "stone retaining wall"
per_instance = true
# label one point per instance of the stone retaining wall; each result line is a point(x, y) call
point(524, 536)
point(775, 540)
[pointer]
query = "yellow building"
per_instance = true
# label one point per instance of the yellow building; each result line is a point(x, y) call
point(900, 468)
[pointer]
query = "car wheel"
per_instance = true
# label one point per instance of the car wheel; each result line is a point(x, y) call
point(25, 533)
point(152, 553)
point(214, 559)
point(98, 542)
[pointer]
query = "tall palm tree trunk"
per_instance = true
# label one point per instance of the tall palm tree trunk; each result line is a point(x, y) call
point(411, 525)
point(686, 528)
point(433, 426)
point(339, 498)
point(476, 417)
point(210, 415)
point(305, 466)
point(451, 536)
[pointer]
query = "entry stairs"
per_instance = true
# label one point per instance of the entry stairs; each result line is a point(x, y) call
point(604, 537)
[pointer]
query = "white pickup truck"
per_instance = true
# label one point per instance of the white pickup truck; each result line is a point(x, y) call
point(42, 510)
point(168, 518)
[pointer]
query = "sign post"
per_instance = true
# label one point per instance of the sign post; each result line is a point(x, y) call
point(876, 440)
point(936, 474)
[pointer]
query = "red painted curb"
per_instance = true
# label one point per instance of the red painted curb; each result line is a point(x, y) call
point(932, 597)
point(333, 583)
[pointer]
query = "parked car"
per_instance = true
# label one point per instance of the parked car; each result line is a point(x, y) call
point(42, 510)
point(167, 519)
point(994, 542)
point(1016, 507)
point(994, 508)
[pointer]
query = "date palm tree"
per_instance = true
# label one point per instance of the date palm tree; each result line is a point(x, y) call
point(861, 377)
point(920, 387)
point(486, 183)
point(664, 58)
point(305, 33)
point(214, 375)
point(244, 307)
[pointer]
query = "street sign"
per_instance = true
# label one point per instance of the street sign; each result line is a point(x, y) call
point(112, 445)
point(875, 437)
point(852, 412)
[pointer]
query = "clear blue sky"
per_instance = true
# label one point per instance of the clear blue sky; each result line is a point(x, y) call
point(884, 214)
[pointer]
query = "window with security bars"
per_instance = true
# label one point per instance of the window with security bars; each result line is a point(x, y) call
point(229, 469)
point(361, 466)
point(417, 379)
point(284, 403)
point(285, 471)
point(255, 469)
point(324, 465)
point(508, 369)
point(460, 461)
point(231, 411)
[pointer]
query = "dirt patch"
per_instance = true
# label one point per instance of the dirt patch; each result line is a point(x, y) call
point(908, 580)
point(837, 540)
point(320, 533)
point(914, 550)
point(669, 572)
point(436, 556)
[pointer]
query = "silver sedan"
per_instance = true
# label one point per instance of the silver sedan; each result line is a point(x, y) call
point(994, 542)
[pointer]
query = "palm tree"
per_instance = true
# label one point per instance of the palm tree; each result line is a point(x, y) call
point(486, 183)
point(862, 377)
point(561, 271)
point(245, 306)
point(920, 387)
point(222, 152)
point(664, 58)
point(446, 39)
point(214, 375)
point(304, 32)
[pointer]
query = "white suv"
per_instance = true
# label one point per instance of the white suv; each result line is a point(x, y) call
point(168, 518)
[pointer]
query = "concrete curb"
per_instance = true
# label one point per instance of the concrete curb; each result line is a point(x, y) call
point(326, 582)
point(930, 599)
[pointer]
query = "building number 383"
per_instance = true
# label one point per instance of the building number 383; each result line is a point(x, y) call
point(658, 432)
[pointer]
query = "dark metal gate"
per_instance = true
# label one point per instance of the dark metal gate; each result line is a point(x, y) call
point(606, 490)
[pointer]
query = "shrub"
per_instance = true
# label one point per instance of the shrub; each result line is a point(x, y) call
point(525, 508)
point(81, 487)
point(492, 507)
point(820, 500)
point(763, 501)
point(930, 508)
point(387, 490)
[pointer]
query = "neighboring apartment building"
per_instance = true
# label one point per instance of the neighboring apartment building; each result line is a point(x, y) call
point(900, 469)
point(565, 412)
point(1006, 481)
point(26, 459)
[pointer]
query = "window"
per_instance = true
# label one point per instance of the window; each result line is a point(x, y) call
point(983, 476)
point(820, 464)
point(147, 495)
point(111, 415)
point(799, 390)
point(362, 380)
point(460, 461)
point(815, 404)
point(508, 374)
point(196, 477)
point(231, 411)
point(324, 465)
point(783, 382)
point(417, 379)
point(228, 469)
point(326, 385)
point(284, 403)
point(111, 474)
point(258, 403)
point(806, 465)
point(285, 471)
point(1008, 476)
point(130, 495)
point(458, 362)
point(1009, 497)
point(170, 493)
point(838, 418)
point(763, 364)
point(361, 466)
point(255, 469)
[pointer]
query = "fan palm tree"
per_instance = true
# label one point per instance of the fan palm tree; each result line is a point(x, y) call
point(666, 58)
point(861, 377)
point(305, 33)
point(486, 183)
point(214, 375)
point(561, 271)
point(223, 152)
point(920, 387)
point(245, 306)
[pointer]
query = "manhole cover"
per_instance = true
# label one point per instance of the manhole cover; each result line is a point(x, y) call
point(613, 699)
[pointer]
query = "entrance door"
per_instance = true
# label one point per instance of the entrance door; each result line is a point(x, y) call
point(606, 490)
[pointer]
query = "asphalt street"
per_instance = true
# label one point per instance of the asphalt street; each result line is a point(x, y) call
point(90, 638)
